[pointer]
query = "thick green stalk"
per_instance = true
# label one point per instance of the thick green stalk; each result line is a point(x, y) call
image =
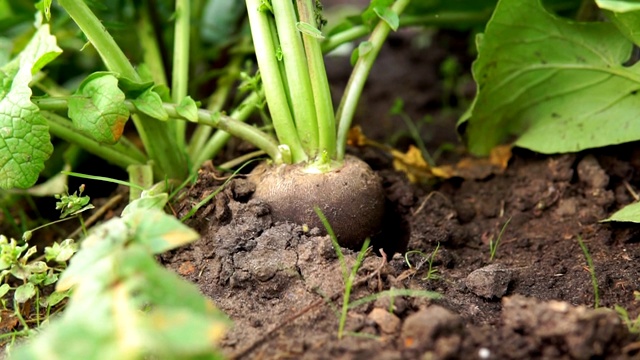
point(113, 58)
point(236, 128)
point(298, 79)
point(118, 154)
point(150, 49)
point(272, 81)
point(226, 123)
point(319, 83)
point(359, 75)
point(441, 19)
point(180, 73)
point(216, 102)
point(157, 138)
point(220, 138)
point(141, 175)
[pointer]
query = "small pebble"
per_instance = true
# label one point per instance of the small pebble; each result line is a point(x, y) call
point(424, 329)
point(490, 281)
point(591, 173)
point(386, 321)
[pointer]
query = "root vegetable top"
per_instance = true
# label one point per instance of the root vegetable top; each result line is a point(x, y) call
point(351, 197)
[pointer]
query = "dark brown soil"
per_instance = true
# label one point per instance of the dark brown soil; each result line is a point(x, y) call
point(283, 286)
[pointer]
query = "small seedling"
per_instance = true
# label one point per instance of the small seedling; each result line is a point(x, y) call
point(34, 275)
point(347, 276)
point(632, 325)
point(592, 272)
point(350, 276)
point(74, 204)
point(431, 272)
point(398, 109)
point(69, 205)
point(493, 245)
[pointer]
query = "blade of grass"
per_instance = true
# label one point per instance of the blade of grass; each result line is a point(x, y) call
point(334, 241)
point(592, 272)
point(348, 287)
point(348, 277)
point(102, 178)
point(393, 293)
point(493, 246)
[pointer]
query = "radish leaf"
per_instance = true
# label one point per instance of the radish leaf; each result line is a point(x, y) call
point(98, 108)
point(24, 135)
point(553, 84)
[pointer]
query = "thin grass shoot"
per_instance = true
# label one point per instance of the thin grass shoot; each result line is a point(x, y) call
point(493, 245)
point(592, 272)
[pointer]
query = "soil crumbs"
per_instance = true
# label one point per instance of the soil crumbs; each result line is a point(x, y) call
point(283, 286)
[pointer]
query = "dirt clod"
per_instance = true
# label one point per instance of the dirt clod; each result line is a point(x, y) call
point(490, 281)
point(590, 172)
point(586, 333)
point(433, 329)
point(386, 321)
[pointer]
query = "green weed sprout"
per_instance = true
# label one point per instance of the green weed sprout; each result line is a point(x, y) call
point(493, 245)
point(632, 324)
point(33, 276)
point(349, 276)
point(592, 272)
point(431, 272)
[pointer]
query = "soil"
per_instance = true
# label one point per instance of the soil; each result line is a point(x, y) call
point(282, 284)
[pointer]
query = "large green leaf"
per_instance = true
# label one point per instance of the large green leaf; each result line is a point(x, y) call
point(24, 134)
point(553, 84)
point(625, 15)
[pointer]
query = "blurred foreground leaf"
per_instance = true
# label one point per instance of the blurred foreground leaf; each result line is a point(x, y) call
point(625, 15)
point(124, 305)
